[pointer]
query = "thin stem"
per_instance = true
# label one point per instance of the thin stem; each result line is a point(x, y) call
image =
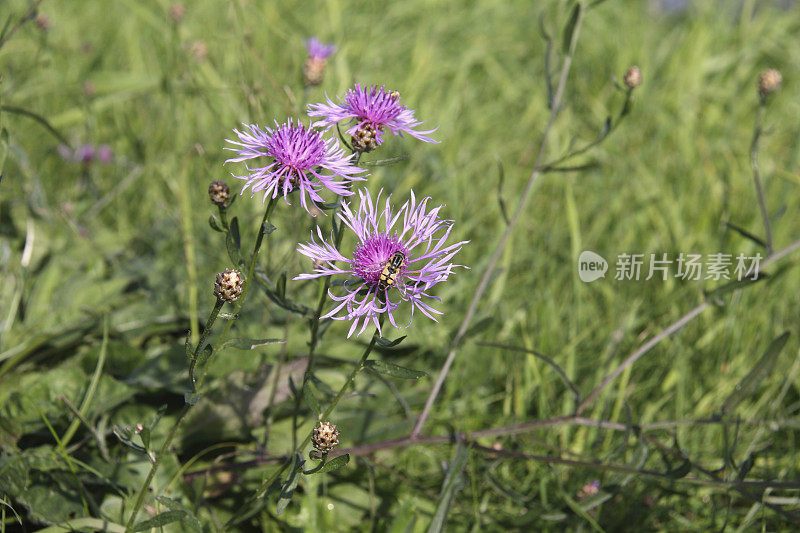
point(349, 381)
point(314, 341)
point(245, 287)
point(314, 322)
point(192, 365)
point(757, 130)
point(238, 516)
point(203, 338)
point(523, 200)
point(172, 432)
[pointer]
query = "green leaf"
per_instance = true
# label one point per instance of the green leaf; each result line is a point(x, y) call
point(746, 234)
point(212, 221)
point(189, 519)
point(159, 520)
point(267, 228)
point(453, 483)
point(386, 343)
point(187, 346)
point(745, 467)
point(311, 398)
point(191, 398)
point(204, 354)
point(250, 344)
point(280, 286)
point(392, 370)
point(290, 484)
point(733, 285)
point(761, 370)
point(233, 243)
point(125, 436)
point(385, 162)
point(3, 148)
point(681, 471)
point(569, 29)
point(334, 464)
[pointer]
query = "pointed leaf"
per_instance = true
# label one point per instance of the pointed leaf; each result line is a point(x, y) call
point(267, 228)
point(290, 484)
point(212, 221)
point(746, 234)
point(188, 346)
point(250, 344)
point(733, 285)
point(570, 27)
point(385, 162)
point(453, 483)
point(761, 370)
point(393, 370)
point(386, 343)
point(334, 464)
point(159, 520)
point(205, 353)
point(189, 518)
point(233, 242)
point(311, 398)
point(3, 149)
point(681, 471)
point(280, 287)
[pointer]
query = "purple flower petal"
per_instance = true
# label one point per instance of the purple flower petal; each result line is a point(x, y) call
point(293, 156)
point(374, 108)
point(414, 231)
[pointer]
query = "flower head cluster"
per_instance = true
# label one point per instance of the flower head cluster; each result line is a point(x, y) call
point(401, 252)
point(372, 110)
point(296, 157)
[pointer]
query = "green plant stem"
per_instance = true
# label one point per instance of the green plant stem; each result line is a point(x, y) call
point(314, 341)
point(223, 217)
point(245, 287)
point(314, 322)
point(349, 381)
point(172, 432)
point(203, 338)
point(757, 175)
point(196, 383)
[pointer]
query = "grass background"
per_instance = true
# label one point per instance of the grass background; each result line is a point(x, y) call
point(126, 247)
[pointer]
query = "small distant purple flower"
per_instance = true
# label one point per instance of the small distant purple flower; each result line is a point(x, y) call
point(297, 155)
point(372, 109)
point(420, 243)
point(318, 50)
point(104, 153)
point(86, 153)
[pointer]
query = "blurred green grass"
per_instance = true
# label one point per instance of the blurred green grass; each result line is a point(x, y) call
point(131, 239)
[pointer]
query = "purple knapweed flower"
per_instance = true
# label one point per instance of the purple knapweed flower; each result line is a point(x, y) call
point(408, 260)
point(297, 157)
point(372, 109)
point(318, 50)
point(314, 66)
point(86, 153)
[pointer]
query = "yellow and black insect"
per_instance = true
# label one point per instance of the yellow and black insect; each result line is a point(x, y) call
point(390, 271)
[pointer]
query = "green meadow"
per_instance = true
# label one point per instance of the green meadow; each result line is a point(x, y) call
point(662, 404)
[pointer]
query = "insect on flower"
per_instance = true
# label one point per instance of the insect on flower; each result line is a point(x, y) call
point(371, 111)
point(404, 250)
point(390, 271)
